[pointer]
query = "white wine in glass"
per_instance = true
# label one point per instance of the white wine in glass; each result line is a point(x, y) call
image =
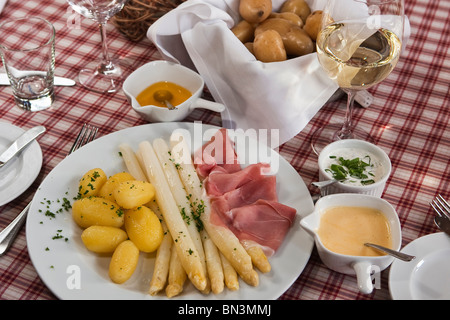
point(106, 74)
point(358, 47)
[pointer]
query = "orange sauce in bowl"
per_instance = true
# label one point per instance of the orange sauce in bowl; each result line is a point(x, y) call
point(179, 94)
point(345, 229)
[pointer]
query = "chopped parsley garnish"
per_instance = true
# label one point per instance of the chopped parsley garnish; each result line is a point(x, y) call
point(185, 216)
point(66, 204)
point(352, 168)
point(119, 212)
point(59, 236)
point(199, 208)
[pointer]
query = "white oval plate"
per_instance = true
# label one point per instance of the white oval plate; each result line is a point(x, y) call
point(72, 272)
point(20, 172)
point(427, 277)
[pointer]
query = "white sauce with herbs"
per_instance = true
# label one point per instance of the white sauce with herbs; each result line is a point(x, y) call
point(375, 171)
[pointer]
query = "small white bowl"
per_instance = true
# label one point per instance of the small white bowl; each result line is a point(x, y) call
point(160, 70)
point(361, 266)
point(375, 189)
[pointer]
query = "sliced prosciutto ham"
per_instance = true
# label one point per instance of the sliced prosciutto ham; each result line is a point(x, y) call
point(220, 181)
point(248, 194)
point(243, 199)
point(264, 188)
point(218, 152)
point(265, 222)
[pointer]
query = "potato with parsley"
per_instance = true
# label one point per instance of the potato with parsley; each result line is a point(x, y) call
point(144, 228)
point(96, 211)
point(123, 262)
point(103, 239)
point(91, 182)
point(133, 193)
point(106, 191)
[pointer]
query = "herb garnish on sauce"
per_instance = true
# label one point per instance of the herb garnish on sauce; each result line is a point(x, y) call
point(354, 168)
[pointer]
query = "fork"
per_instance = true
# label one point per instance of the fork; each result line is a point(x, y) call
point(7, 236)
point(442, 209)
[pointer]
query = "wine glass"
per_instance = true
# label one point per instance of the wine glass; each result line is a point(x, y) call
point(358, 45)
point(105, 75)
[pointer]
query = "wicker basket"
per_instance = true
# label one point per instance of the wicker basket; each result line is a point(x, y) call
point(138, 15)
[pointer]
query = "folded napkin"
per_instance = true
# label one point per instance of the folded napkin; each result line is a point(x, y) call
point(281, 97)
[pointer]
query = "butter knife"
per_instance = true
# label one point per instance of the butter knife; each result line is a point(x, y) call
point(58, 81)
point(26, 138)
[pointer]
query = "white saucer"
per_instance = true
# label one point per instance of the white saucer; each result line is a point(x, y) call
point(20, 172)
point(426, 277)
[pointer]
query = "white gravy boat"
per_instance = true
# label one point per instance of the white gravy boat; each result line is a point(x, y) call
point(160, 70)
point(361, 266)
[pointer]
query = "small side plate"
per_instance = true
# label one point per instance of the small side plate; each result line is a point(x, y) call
point(19, 173)
point(428, 276)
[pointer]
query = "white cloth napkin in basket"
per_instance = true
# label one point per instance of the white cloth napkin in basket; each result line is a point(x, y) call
point(282, 96)
point(279, 96)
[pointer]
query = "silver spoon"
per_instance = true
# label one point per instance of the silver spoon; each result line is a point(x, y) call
point(164, 96)
point(396, 254)
point(323, 184)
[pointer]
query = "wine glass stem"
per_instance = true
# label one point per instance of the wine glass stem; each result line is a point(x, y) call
point(106, 63)
point(347, 129)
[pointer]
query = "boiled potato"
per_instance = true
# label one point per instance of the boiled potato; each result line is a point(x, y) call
point(123, 262)
point(289, 16)
point(255, 11)
point(133, 193)
point(91, 182)
point(103, 239)
point(96, 211)
point(282, 26)
point(143, 228)
point(289, 23)
point(244, 31)
point(312, 24)
point(249, 46)
point(268, 47)
point(299, 7)
point(106, 191)
point(297, 42)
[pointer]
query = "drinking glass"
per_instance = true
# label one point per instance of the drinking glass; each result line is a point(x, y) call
point(358, 45)
point(27, 47)
point(104, 75)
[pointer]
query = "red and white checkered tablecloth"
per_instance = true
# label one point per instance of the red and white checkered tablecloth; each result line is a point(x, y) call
point(409, 119)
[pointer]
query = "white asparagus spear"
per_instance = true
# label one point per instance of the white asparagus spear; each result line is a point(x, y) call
point(187, 252)
point(222, 237)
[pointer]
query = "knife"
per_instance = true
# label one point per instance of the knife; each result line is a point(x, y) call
point(20, 143)
point(58, 81)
